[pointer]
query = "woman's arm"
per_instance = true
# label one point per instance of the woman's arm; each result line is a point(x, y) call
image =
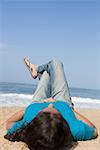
point(14, 118)
point(85, 120)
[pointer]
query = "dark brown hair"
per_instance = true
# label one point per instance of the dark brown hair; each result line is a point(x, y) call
point(45, 132)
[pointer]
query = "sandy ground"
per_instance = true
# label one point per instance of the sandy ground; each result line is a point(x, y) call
point(6, 112)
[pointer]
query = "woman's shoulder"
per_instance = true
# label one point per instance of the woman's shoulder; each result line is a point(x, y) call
point(35, 105)
point(61, 103)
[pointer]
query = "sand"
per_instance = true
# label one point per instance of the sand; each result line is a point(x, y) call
point(6, 112)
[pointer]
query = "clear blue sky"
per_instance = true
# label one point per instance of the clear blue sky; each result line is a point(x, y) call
point(44, 30)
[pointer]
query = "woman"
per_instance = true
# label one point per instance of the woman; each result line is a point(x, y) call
point(50, 123)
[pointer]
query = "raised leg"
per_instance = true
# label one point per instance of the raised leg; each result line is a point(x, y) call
point(43, 89)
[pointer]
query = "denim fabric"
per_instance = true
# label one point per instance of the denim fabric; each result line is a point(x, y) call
point(52, 83)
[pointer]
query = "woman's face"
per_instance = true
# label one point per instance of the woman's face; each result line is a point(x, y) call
point(50, 109)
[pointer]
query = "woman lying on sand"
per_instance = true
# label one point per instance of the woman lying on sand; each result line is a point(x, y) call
point(50, 122)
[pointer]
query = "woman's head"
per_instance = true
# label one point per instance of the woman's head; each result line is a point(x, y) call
point(47, 131)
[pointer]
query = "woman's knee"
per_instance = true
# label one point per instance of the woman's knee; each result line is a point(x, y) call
point(57, 62)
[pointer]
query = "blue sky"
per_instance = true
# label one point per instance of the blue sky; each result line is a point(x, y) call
point(44, 30)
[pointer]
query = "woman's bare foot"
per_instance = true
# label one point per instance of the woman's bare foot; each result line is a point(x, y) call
point(33, 68)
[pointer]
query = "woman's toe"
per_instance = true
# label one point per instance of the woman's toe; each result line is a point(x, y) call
point(27, 62)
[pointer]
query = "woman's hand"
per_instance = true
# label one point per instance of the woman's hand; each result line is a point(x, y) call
point(49, 100)
point(85, 120)
point(14, 118)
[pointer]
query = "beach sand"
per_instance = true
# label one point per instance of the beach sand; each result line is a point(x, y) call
point(6, 112)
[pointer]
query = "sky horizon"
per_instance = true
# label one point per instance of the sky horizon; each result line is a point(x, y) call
point(41, 31)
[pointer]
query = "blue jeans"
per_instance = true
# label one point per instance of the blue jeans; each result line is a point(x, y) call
point(52, 83)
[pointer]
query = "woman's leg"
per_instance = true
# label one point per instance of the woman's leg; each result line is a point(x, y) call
point(58, 83)
point(43, 89)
